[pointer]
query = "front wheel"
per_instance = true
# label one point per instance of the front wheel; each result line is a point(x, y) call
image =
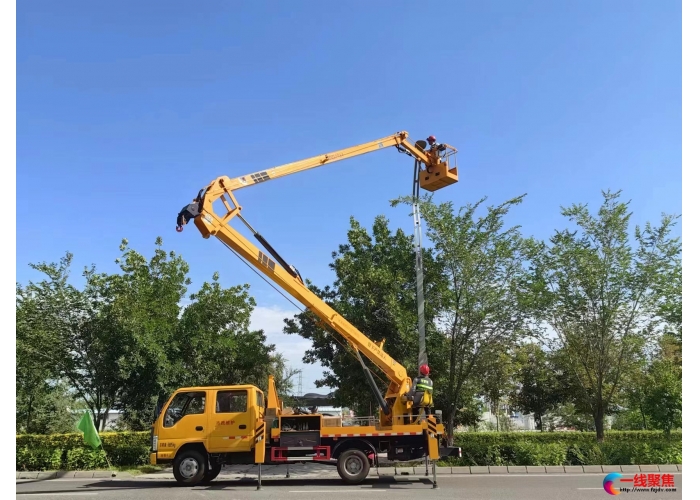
point(189, 467)
point(353, 466)
point(211, 474)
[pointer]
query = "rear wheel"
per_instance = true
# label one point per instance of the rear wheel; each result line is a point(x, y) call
point(353, 466)
point(189, 467)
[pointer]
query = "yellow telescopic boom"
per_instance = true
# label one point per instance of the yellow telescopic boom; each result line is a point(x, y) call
point(435, 173)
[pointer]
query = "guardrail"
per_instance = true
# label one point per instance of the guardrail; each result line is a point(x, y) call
point(347, 421)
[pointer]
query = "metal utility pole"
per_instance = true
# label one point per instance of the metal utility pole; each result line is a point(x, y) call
point(418, 247)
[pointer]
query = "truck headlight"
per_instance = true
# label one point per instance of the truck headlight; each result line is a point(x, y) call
point(154, 443)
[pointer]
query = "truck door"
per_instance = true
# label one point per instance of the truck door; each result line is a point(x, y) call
point(184, 421)
point(231, 421)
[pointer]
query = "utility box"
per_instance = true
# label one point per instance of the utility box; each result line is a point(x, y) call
point(300, 439)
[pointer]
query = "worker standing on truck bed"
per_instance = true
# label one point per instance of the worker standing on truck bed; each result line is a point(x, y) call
point(422, 392)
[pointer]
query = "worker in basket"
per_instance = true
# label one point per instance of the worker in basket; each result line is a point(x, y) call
point(435, 146)
point(422, 392)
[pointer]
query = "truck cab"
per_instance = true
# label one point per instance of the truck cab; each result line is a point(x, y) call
point(210, 424)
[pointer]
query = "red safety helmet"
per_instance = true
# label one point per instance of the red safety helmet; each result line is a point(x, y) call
point(431, 139)
point(424, 370)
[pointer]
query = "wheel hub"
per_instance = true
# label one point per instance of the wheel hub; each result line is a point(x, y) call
point(189, 468)
point(353, 465)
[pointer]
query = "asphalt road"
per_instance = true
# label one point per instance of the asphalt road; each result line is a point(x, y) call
point(472, 487)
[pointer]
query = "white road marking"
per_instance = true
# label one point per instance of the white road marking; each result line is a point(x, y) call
point(69, 494)
point(334, 491)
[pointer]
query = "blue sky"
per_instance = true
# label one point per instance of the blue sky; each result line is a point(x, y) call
point(126, 109)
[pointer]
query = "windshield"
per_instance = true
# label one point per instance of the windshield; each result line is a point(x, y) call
point(184, 403)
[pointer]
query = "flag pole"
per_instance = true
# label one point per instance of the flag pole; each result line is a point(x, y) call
point(86, 426)
point(114, 474)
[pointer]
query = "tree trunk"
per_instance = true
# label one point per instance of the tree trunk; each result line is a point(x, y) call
point(104, 419)
point(449, 428)
point(29, 414)
point(599, 418)
point(498, 414)
point(538, 422)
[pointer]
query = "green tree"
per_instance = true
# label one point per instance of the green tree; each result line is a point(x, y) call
point(629, 419)
point(653, 395)
point(570, 416)
point(483, 305)
point(284, 377)
point(539, 384)
point(632, 415)
point(497, 370)
point(143, 307)
point(50, 408)
point(216, 345)
point(374, 290)
point(597, 292)
point(472, 409)
point(668, 290)
point(663, 401)
point(50, 315)
point(124, 341)
point(32, 369)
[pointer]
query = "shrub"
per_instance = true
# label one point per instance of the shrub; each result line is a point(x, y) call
point(69, 452)
point(568, 448)
point(85, 459)
point(39, 458)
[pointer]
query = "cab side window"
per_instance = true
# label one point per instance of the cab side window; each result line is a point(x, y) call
point(185, 403)
point(231, 401)
point(261, 400)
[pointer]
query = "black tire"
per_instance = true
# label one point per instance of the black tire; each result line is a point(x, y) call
point(353, 466)
point(211, 474)
point(189, 467)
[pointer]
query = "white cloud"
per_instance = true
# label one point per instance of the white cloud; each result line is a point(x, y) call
point(292, 347)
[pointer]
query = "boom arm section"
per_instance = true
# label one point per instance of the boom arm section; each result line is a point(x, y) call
point(432, 161)
point(209, 224)
point(437, 174)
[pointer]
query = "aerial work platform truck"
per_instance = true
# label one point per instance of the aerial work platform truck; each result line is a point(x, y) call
point(201, 428)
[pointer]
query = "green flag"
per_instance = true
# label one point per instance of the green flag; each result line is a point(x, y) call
point(89, 432)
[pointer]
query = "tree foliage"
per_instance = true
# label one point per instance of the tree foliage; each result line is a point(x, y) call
point(540, 385)
point(663, 401)
point(374, 290)
point(597, 292)
point(602, 298)
point(497, 369)
point(124, 341)
point(484, 307)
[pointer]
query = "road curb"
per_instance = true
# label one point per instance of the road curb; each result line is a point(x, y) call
point(59, 474)
point(380, 472)
point(558, 469)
